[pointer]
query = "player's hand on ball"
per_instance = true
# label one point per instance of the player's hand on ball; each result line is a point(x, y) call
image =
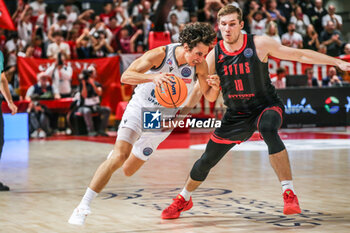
point(163, 77)
point(214, 81)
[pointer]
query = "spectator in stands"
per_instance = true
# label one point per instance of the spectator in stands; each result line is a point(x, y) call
point(25, 26)
point(85, 18)
point(71, 15)
point(322, 49)
point(272, 31)
point(316, 14)
point(71, 41)
point(292, 38)
point(286, 10)
point(41, 90)
point(84, 45)
point(174, 28)
point(114, 26)
point(311, 80)
point(332, 79)
point(38, 7)
point(276, 15)
point(58, 46)
point(101, 47)
point(280, 80)
point(13, 47)
point(125, 40)
point(193, 17)
point(39, 123)
point(300, 20)
point(346, 49)
point(306, 5)
point(90, 93)
point(61, 76)
point(136, 46)
point(45, 21)
point(35, 48)
point(310, 40)
point(331, 16)
point(182, 15)
point(257, 21)
point(108, 12)
point(333, 39)
point(59, 26)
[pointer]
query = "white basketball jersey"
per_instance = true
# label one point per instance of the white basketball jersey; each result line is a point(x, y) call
point(144, 93)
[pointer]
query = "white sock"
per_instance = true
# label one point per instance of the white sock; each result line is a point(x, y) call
point(186, 194)
point(287, 184)
point(88, 197)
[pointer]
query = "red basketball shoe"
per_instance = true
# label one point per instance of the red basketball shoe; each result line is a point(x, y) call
point(174, 210)
point(291, 204)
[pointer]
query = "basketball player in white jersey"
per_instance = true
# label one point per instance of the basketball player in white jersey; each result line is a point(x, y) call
point(133, 146)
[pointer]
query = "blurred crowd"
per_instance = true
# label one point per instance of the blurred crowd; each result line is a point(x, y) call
point(75, 31)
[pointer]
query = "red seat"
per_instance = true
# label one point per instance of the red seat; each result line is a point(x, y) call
point(156, 39)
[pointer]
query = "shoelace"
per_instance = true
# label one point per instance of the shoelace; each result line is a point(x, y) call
point(177, 204)
point(289, 198)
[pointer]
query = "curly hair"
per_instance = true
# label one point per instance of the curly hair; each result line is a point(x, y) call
point(195, 33)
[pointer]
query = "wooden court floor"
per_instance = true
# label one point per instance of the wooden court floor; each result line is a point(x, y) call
point(241, 194)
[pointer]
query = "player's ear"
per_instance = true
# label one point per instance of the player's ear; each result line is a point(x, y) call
point(242, 24)
point(186, 47)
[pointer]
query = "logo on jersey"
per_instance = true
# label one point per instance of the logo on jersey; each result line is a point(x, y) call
point(169, 62)
point(147, 151)
point(186, 72)
point(221, 58)
point(171, 68)
point(151, 120)
point(248, 52)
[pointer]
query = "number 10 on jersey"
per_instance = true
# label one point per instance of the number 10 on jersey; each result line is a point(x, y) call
point(239, 85)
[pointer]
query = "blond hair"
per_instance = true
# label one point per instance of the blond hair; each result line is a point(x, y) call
point(229, 9)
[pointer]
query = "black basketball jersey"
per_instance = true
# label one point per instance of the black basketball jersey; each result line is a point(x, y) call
point(245, 80)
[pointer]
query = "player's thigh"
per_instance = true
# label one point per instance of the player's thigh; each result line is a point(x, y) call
point(145, 146)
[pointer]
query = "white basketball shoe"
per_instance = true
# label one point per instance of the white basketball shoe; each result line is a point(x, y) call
point(79, 215)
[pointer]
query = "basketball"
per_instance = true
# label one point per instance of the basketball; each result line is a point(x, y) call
point(171, 95)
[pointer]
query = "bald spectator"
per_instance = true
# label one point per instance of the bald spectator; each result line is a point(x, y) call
point(331, 16)
point(332, 79)
point(346, 49)
point(333, 39)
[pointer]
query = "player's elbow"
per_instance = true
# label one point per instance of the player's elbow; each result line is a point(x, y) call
point(125, 78)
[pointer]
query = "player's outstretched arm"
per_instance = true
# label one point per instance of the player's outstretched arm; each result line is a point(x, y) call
point(209, 84)
point(267, 46)
point(135, 74)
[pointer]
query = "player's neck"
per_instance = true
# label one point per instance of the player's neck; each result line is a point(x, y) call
point(235, 45)
point(179, 55)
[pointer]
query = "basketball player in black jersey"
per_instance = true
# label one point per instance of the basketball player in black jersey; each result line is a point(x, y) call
point(240, 62)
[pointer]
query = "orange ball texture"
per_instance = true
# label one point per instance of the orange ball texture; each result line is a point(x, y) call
point(171, 95)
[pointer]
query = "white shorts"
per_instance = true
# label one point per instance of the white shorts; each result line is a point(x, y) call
point(146, 142)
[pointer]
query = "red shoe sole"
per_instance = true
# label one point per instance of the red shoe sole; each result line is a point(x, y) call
point(177, 216)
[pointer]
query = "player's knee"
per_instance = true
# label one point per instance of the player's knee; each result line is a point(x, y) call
point(117, 159)
point(270, 122)
point(128, 171)
point(201, 169)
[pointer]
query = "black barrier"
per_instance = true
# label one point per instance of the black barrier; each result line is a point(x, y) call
point(316, 107)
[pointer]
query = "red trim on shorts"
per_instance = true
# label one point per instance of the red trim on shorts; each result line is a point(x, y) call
point(220, 140)
point(236, 52)
point(274, 108)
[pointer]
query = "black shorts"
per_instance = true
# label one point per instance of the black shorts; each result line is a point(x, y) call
point(237, 127)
